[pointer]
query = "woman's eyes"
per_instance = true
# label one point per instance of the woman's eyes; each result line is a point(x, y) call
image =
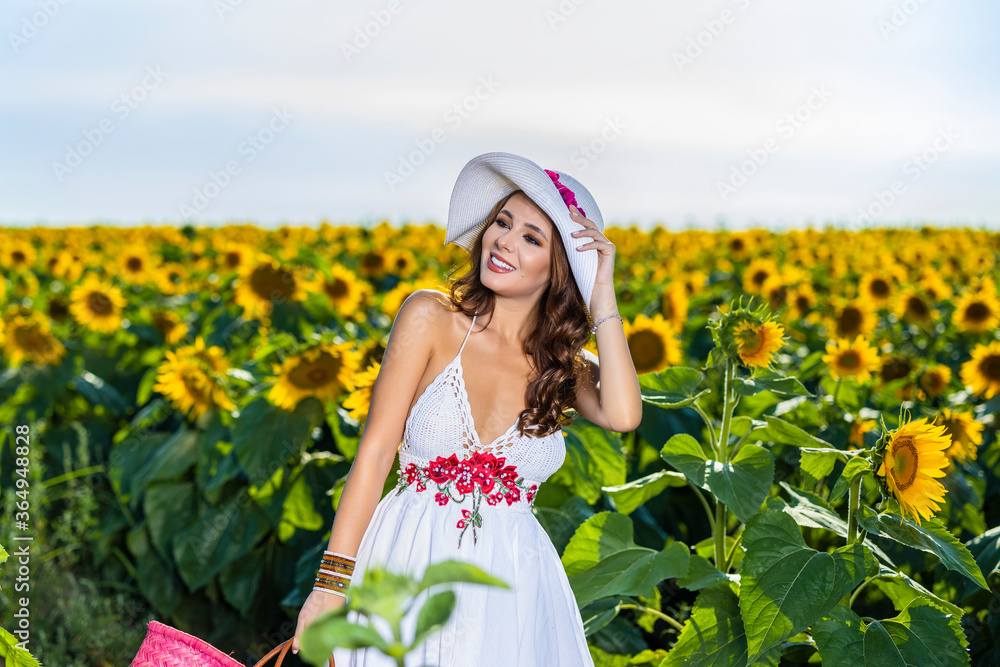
point(532, 238)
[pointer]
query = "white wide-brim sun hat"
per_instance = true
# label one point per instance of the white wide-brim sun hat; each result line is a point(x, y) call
point(490, 177)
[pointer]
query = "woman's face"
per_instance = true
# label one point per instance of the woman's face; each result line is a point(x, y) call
point(521, 236)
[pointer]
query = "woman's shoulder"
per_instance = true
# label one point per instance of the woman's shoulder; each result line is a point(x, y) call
point(430, 311)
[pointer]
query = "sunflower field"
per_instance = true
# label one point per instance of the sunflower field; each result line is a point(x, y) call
point(815, 479)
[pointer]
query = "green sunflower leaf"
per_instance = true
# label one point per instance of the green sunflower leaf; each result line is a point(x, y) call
point(714, 634)
point(673, 387)
point(629, 497)
point(785, 586)
point(742, 484)
point(931, 536)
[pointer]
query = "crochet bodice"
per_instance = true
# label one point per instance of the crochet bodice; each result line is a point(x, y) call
point(441, 424)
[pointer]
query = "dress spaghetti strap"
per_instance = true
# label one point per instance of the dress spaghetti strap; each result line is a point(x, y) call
point(467, 334)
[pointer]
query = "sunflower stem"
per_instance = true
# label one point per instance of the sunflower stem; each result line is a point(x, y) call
point(656, 612)
point(636, 451)
point(852, 510)
point(723, 455)
point(854, 595)
point(704, 503)
point(708, 424)
point(720, 536)
point(732, 550)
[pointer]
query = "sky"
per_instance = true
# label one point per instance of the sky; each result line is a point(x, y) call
point(698, 114)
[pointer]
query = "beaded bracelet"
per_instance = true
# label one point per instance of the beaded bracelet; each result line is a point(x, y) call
point(335, 573)
point(593, 329)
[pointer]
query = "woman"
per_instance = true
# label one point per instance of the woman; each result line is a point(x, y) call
point(510, 335)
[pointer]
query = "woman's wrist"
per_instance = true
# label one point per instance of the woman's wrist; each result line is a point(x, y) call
point(601, 320)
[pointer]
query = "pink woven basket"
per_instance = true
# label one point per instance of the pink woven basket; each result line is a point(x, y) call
point(165, 646)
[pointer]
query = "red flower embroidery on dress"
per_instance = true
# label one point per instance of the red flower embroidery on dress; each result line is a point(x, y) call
point(477, 474)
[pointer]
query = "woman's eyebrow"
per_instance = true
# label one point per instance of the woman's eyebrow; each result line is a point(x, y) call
point(528, 225)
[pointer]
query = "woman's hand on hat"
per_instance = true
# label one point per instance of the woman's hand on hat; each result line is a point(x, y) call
point(604, 247)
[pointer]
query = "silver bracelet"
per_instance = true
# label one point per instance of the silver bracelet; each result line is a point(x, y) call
point(593, 330)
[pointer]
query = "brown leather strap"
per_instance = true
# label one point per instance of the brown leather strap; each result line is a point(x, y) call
point(283, 646)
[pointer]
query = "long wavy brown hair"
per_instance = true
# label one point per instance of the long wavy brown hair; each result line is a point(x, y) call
point(561, 330)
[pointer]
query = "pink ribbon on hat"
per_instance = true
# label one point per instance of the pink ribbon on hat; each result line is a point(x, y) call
point(565, 192)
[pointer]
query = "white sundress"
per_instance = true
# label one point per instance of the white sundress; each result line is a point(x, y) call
point(535, 622)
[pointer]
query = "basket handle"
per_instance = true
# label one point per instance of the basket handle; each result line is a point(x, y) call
point(283, 647)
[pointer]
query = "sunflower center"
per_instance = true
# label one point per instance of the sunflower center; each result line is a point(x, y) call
point(647, 348)
point(850, 321)
point(778, 297)
point(29, 338)
point(273, 284)
point(905, 461)
point(933, 382)
point(134, 264)
point(895, 368)
point(372, 261)
point(196, 385)
point(990, 367)
point(977, 312)
point(736, 245)
point(19, 257)
point(751, 340)
point(99, 303)
point(802, 303)
point(879, 288)
point(916, 307)
point(850, 359)
point(317, 373)
point(232, 260)
point(760, 277)
point(336, 288)
point(58, 309)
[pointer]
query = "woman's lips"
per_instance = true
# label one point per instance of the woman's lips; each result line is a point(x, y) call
point(495, 268)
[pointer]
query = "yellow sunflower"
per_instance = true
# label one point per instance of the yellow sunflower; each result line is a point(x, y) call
point(394, 298)
point(233, 257)
point(134, 266)
point(360, 385)
point(652, 342)
point(933, 284)
point(738, 245)
point(982, 372)
point(264, 282)
point(27, 339)
point(851, 359)
point(976, 312)
point(856, 439)
point(169, 325)
point(694, 282)
point(852, 318)
point(756, 343)
point(18, 255)
point(172, 278)
point(912, 458)
point(189, 379)
point(878, 287)
point(758, 274)
point(674, 304)
point(345, 292)
point(321, 371)
point(966, 434)
point(935, 379)
point(775, 293)
point(401, 262)
point(801, 302)
point(97, 305)
point(373, 264)
point(914, 307)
